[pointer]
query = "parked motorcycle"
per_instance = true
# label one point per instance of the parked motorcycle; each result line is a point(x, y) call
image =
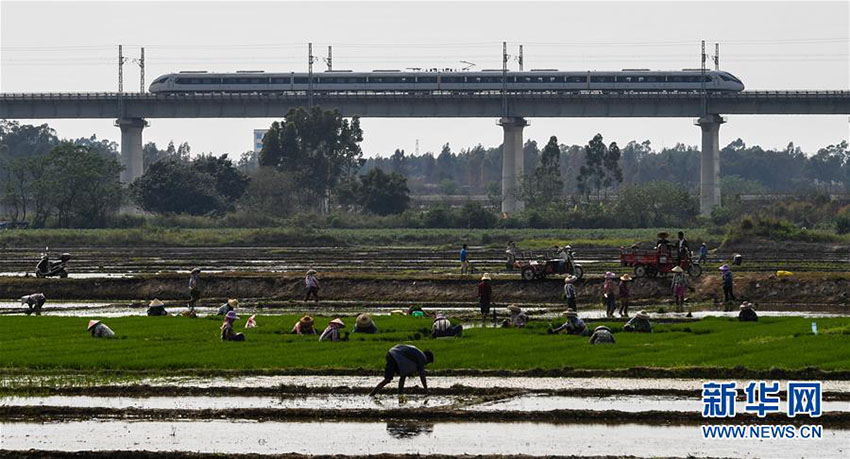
point(47, 268)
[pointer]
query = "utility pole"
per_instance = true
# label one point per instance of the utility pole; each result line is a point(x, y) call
point(310, 75)
point(504, 79)
point(702, 79)
point(330, 59)
point(142, 75)
point(120, 69)
point(717, 56)
point(520, 58)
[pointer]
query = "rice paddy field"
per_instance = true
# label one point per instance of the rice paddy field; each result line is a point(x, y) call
point(165, 383)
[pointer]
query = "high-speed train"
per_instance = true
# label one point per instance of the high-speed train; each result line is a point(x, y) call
point(454, 81)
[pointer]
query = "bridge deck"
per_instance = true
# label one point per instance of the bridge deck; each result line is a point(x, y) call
point(400, 104)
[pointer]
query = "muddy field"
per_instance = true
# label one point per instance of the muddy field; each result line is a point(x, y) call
point(602, 413)
point(122, 261)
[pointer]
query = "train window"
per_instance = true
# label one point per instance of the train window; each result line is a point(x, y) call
point(452, 79)
point(675, 79)
point(426, 79)
point(279, 80)
point(602, 79)
point(691, 79)
point(300, 80)
point(211, 81)
point(576, 79)
point(652, 79)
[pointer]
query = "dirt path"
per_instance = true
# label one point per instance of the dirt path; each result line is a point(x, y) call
point(827, 292)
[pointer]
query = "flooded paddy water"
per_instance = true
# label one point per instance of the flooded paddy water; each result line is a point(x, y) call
point(408, 437)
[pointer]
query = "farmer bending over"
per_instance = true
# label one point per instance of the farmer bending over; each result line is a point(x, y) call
point(304, 326)
point(747, 314)
point(34, 302)
point(639, 323)
point(602, 335)
point(442, 327)
point(573, 325)
point(518, 318)
point(100, 330)
point(231, 305)
point(405, 360)
point(332, 331)
point(365, 324)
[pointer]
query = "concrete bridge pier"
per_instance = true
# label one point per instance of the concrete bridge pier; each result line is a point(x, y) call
point(131, 147)
point(709, 164)
point(512, 162)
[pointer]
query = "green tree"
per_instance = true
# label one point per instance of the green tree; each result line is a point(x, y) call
point(655, 204)
point(171, 186)
point(613, 172)
point(383, 193)
point(545, 184)
point(84, 187)
point(591, 173)
point(230, 183)
point(399, 162)
point(319, 147)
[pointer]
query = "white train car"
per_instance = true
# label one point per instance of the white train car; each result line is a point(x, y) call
point(388, 81)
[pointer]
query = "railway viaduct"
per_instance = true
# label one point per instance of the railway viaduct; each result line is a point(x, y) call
point(131, 111)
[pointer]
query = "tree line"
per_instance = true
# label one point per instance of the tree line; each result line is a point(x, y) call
point(311, 163)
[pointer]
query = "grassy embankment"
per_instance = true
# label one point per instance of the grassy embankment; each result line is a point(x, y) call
point(211, 237)
point(162, 344)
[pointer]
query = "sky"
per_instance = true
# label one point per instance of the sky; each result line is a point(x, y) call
point(72, 47)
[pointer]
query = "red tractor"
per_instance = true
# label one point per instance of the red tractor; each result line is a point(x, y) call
point(658, 261)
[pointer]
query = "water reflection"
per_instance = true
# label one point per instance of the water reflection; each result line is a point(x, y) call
point(404, 430)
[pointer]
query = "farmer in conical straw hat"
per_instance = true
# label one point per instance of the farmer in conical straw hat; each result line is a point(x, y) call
point(609, 289)
point(570, 291)
point(517, 319)
point(229, 305)
point(678, 286)
point(747, 313)
point(726, 276)
point(304, 326)
point(639, 323)
point(157, 308)
point(625, 294)
point(442, 327)
point(602, 335)
point(99, 329)
point(485, 296)
point(194, 287)
point(573, 325)
point(332, 332)
point(365, 324)
point(227, 333)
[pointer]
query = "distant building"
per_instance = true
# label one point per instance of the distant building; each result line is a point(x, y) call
point(258, 139)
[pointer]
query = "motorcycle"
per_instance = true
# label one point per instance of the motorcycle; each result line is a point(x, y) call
point(47, 268)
